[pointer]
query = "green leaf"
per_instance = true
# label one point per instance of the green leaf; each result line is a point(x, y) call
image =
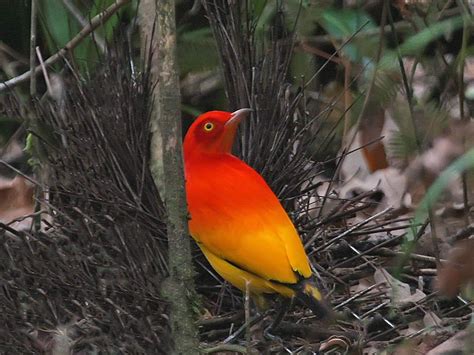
point(106, 31)
point(418, 42)
point(197, 51)
point(60, 26)
point(459, 166)
point(304, 16)
point(8, 126)
point(343, 23)
point(56, 24)
point(191, 110)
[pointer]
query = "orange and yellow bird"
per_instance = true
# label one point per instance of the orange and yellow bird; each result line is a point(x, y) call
point(237, 220)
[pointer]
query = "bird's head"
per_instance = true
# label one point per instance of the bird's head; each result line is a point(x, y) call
point(213, 132)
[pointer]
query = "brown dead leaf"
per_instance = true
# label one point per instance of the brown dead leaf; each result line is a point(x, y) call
point(454, 345)
point(370, 130)
point(413, 327)
point(11, 153)
point(340, 341)
point(399, 292)
point(358, 163)
point(458, 271)
point(390, 182)
point(430, 319)
point(407, 348)
point(16, 200)
point(363, 284)
point(425, 168)
point(354, 164)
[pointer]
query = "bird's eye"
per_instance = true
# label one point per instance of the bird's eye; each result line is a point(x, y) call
point(209, 126)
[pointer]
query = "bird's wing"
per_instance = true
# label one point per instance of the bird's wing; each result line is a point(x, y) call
point(236, 216)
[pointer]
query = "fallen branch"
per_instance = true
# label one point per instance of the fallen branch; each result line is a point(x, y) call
point(225, 347)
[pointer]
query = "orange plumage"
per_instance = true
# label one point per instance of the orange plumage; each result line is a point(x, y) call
point(236, 219)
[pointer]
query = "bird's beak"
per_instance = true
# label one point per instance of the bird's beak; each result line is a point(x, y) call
point(238, 116)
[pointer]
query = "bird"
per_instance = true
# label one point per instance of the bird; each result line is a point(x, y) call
point(237, 220)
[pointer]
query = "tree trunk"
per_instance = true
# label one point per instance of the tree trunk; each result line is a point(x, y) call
point(179, 287)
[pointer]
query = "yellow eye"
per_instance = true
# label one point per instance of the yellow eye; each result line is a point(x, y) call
point(209, 126)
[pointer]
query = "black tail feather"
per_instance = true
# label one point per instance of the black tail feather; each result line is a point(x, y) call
point(308, 293)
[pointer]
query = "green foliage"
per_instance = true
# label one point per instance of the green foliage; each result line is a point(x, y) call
point(343, 23)
point(196, 50)
point(8, 126)
point(463, 164)
point(459, 166)
point(415, 44)
point(59, 26)
point(416, 133)
point(303, 16)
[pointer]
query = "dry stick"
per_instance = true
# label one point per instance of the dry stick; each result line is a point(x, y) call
point(218, 322)
point(247, 314)
point(11, 167)
point(225, 348)
point(348, 231)
point(357, 295)
point(419, 257)
point(464, 117)
point(43, 68)
point(242, 329)
point(366, 252)
point(367, 96)
point(409, 96)
point(13, 53)
point(36, 222)
point(32, 46)
point(84, 22)
point(463, 233)
point(95, 22)
point(401, 26)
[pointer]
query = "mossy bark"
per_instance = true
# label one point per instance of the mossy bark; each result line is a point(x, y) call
point(166, 145)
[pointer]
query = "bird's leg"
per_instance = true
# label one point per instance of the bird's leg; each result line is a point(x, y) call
point(285, 305)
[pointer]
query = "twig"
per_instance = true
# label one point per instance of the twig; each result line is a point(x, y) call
point(316, 51)
point(45, 72)
point(11, 230)
point(430, 272)
point(464, 233)
point(419, 257)
point(357, 295)
point(247, 314)
point(83, 22)
point(30, 179)
point(95, 22)
point(220, 321)
point(349, 141)
point(464, 117)
point(368, 251)
point(242, 329)
point(408, 90)
point(225, 347)
point(400, 26)
point(354, 227)
point(22, 218)
point(320, 332)
point(13, 53)
point(32, 46)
